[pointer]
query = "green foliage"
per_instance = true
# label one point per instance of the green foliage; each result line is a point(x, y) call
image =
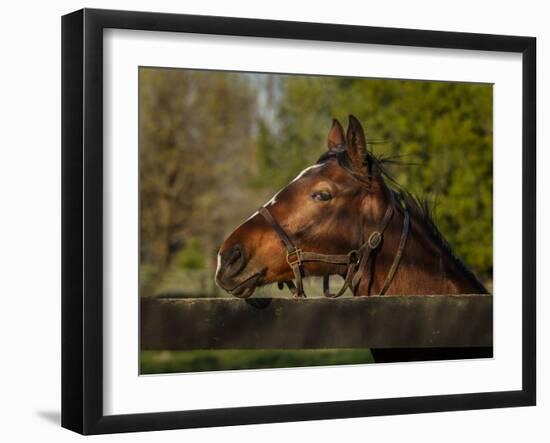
point(192, 256)
point(443, 128)
point(162, 362)
point(196, 132)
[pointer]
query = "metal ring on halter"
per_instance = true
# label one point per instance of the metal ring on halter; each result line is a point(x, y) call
point(374, 240)
point(353, 257)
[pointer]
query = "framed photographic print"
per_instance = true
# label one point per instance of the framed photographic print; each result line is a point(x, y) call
point(270, 221)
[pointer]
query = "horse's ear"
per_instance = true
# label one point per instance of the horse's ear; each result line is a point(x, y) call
point(357, 144)
point(336, 138)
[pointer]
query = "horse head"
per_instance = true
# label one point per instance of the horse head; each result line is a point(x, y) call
point(325, 209)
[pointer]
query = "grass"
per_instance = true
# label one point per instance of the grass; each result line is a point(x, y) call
point(162, 362)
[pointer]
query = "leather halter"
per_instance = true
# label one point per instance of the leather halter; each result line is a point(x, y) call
point(355, 260)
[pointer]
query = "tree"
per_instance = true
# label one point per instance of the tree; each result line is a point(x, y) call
point(195, 128)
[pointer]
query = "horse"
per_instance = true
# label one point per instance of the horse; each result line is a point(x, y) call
point(343, 216)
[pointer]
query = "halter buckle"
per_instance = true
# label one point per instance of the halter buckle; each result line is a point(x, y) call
point(294, 257)
point(374, 240)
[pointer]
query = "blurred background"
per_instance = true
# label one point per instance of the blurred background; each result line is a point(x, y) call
point(214, 146)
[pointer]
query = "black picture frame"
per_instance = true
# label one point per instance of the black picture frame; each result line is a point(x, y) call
point(82, 220)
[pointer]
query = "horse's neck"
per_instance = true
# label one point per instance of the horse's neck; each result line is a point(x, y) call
point(426, 267)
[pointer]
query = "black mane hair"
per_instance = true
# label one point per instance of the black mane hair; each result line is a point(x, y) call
point(421, 209)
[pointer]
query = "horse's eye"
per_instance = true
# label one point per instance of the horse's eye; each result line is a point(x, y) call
point(321, 196)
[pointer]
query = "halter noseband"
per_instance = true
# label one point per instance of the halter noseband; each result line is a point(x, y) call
point(355, 260)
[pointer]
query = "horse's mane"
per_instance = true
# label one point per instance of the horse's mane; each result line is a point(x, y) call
point(421, 209)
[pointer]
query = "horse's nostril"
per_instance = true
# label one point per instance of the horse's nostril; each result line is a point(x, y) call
point(232, 262)
point(235, 254)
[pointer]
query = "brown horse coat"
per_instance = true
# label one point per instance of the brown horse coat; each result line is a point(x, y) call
point(328, 208)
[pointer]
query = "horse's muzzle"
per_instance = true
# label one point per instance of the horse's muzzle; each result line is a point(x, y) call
point(230, 263)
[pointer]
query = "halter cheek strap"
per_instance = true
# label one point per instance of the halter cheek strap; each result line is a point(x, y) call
point(355, 260)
